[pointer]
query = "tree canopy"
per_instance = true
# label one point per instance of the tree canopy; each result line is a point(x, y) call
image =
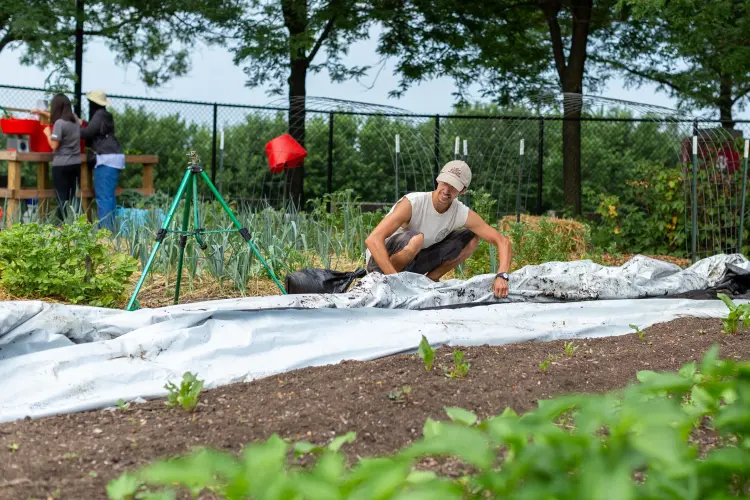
point(154, 35)
point(698, 52)
point(511, 49)
point(280, 42)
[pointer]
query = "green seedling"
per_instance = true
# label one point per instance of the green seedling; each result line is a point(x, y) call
point(13, 447)
point(427, 353)
point(736, 314)
point(640, 333)
point(570, 348)
point(544, 365)
point(122, 405)
point(400, 395)
point(187, 394)
point(459, 368)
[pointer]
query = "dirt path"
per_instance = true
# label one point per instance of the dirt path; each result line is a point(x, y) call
point(74, 456)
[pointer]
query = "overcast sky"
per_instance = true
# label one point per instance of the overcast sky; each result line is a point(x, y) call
point(215, 78)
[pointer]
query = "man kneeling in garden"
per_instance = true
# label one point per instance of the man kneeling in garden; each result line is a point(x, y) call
point(431, 233)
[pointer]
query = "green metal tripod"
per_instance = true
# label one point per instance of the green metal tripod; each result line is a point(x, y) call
point(193, 171)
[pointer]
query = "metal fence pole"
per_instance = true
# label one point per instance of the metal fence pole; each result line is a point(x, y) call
point(694, 189)
point(742, 210)
point(518, 189)
point(329, 182)
point(213, 145)
point(437, 149)
point(539, 167)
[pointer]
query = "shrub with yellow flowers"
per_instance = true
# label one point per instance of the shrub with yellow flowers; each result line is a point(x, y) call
point(649, 216)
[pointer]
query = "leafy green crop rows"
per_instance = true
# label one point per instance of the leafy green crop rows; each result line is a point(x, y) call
point(633, 443)
point(289, 240)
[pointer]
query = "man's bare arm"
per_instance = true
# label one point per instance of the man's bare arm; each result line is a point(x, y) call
point(375, 242)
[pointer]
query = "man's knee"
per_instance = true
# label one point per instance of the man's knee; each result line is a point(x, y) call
point(473, 244)
point(469, 249)
point(414, 246)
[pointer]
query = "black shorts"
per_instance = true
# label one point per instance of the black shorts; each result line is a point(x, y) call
point(428, 258)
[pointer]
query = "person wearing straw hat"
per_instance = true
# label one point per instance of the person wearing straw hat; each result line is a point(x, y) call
point(99, 134)
point(432, 232)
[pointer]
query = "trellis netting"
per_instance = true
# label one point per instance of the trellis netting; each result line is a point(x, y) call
point(58, 358)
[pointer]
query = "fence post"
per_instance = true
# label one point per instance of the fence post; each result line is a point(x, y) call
point(539, 167)
point(518, 189)
point(437, 149)
point(694, 192)
point(329, 182)
point(213, 145)
point(744, 186)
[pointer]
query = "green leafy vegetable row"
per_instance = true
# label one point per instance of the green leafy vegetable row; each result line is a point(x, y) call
point(628, 444)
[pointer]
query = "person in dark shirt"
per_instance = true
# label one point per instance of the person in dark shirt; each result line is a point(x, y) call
point(99, 134)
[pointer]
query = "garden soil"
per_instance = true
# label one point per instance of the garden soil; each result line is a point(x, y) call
point(74, 456)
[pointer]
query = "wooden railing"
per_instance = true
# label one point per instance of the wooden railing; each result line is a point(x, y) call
point(44, 190)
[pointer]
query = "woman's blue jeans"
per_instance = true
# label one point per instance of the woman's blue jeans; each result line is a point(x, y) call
point(105, 183)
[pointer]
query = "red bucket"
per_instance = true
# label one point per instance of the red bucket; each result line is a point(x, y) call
point(38, 142)
point(284, 152)
point(15, 126)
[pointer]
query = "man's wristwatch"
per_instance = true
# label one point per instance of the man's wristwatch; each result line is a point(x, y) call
point(504, 276)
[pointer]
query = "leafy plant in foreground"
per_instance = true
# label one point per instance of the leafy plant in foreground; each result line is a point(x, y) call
point(644, 428)
point(187, 394)
point(427, 353)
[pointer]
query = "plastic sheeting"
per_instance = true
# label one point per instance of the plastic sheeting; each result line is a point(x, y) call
point(57, 358)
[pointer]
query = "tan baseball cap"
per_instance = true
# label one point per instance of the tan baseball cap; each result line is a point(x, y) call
point(99, 97)
point(456, 173)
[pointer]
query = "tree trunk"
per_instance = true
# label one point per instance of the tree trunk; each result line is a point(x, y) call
point(78, 57)
point(295, 20)
point(295, 183)
point(570, 73)
point(725, 102)
point(571, 136)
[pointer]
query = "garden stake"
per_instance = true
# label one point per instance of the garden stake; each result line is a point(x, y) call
point(694, 225)
point(744, 185)
point(193, 170)
point(518, 190)
point(398, 150)
point(467, 198)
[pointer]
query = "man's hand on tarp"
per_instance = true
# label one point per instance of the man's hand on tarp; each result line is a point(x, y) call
point(500, 287)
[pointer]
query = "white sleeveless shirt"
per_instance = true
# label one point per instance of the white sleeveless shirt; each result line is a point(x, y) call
point(428, 221)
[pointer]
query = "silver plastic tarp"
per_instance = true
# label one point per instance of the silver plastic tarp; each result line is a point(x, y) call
point(60, 358)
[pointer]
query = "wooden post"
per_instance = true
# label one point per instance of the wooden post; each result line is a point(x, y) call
point(147, 182)
point(87, 185)
point(14, 185)
point(42, 183)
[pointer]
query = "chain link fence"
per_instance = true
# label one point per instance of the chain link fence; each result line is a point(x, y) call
point(621, 156)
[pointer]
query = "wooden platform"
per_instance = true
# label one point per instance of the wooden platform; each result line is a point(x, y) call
point(14, 193)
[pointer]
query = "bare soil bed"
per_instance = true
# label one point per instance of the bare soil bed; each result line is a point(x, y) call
point(74, 456)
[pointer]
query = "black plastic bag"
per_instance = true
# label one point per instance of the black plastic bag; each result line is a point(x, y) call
point(321, 281)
